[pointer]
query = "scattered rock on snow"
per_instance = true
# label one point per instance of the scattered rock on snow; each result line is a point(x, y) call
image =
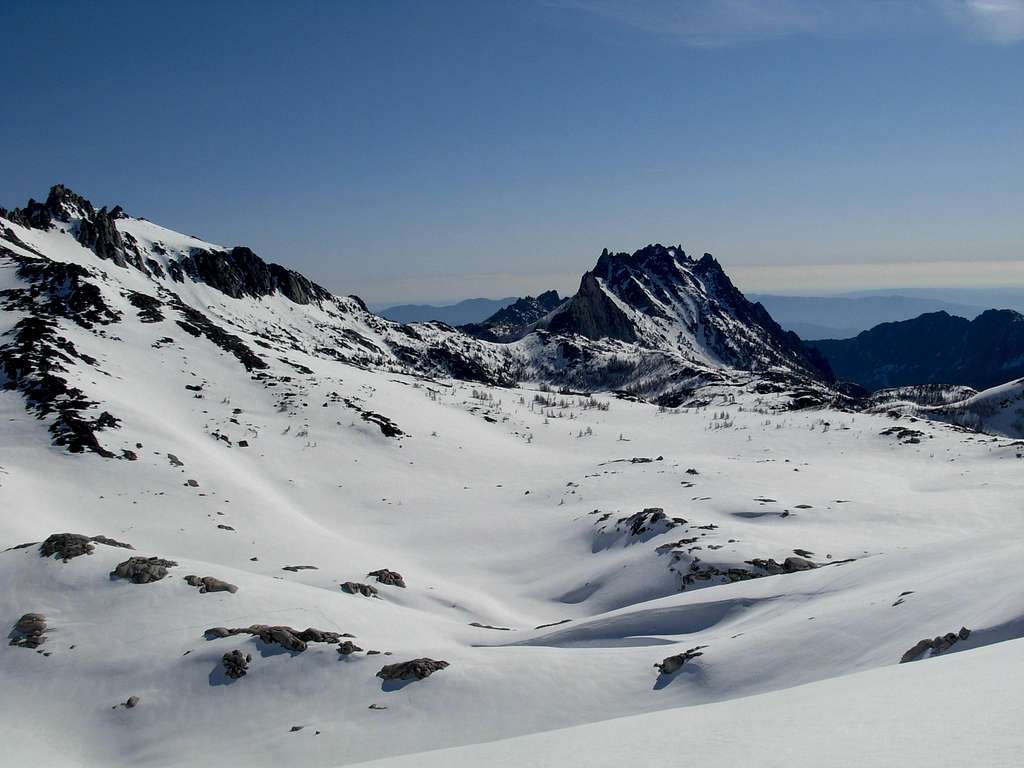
point(142, 570)
point(210, 584)
point(417, 669)
point(672, 664)
point(792, 564)
point(355, 588)
point(936, 645)
point(297, 568)
point(348, 647)
point(391, 578)
point(29, 631)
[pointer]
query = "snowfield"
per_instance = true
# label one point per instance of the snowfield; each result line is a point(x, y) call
point(554, 548)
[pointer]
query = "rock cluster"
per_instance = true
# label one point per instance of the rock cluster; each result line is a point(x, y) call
point(291, 639)
point(390, 578)
point(29, 631)
point(936, 645)
point(347, 648)
point(66, 546)
point(142, 570)
point(356, 588)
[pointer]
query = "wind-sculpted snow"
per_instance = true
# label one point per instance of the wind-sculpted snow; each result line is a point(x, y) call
point(348, 508)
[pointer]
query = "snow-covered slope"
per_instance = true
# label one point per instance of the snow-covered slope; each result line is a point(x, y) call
point(996, 411)
point(553, 547)
point(910, 716)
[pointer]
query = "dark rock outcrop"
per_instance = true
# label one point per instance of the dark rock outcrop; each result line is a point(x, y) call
point(934, 348)
point(29, 631)
point(142, 570)
point(236, 664)
point(291, 639)
point(239, 272)
point(94, 229)
point(35, 361)
point(347, 648)
point(66, 546)
point(417, 669)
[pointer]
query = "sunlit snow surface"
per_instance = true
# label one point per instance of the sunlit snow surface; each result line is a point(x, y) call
point(486, 505)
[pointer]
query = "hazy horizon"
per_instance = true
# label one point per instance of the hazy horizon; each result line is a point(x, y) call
point(425, 152)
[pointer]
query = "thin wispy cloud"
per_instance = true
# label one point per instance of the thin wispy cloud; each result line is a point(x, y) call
point(725, 22)
point(999, 21)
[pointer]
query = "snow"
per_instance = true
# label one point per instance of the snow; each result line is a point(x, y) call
point(913, 715)
point(485, 506)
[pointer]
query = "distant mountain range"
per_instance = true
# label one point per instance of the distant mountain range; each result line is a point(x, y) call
point(842, 317)
point(810, 317)
point(934, 348)
point(462, 313)
point(514, 321)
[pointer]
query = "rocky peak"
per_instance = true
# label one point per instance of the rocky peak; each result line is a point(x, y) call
point(663, 299)
point(61, 205)
point(94, 229)
point(517, 319)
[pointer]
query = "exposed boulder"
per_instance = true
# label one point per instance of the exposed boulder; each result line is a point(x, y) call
point(390, 578)
point(236, 664)
point(671, 664)
point(142, 570)
point(348, 647)
point(791, 564)
point(210, 584)
point(29, 631)
point(417, 669)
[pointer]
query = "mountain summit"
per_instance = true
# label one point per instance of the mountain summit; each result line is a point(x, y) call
point(661, 300)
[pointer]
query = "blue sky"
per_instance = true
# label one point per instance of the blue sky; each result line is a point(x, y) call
point(433, 151)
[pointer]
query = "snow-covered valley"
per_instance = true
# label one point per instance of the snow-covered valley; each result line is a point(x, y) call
point(553, 547)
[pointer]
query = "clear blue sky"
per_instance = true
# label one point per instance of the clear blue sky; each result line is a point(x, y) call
point(437, 150)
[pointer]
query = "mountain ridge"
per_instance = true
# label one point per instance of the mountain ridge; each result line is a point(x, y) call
point(934, 348)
